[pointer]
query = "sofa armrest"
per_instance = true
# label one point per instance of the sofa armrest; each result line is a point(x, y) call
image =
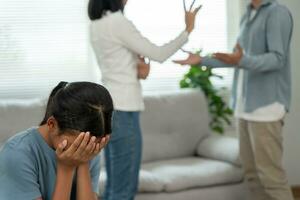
point(219, 147)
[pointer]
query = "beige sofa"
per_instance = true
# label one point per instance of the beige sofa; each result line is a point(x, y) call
point(182, 159)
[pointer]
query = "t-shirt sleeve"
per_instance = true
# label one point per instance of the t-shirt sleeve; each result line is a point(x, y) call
point(95, 173)
point(18, 176)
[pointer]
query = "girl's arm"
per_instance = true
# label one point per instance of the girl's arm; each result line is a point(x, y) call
point(63, 185)
point(88, 173)
point(67, 162)
point(84, 184)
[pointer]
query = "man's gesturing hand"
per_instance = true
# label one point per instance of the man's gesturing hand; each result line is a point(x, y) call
point(232, 58)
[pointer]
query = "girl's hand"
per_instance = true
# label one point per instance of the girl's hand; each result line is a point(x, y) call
point(83, 149)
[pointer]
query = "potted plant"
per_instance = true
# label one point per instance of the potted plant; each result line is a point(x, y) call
point(199, 77)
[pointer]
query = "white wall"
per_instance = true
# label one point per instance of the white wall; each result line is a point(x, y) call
point(235, 10)
point(292, 128)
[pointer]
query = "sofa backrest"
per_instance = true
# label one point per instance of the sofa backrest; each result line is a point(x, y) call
point(173, 124)
point(16, 116)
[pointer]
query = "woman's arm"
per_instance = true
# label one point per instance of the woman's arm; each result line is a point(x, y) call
point(131, 38)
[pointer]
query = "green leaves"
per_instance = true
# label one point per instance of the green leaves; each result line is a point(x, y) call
point(199, 77)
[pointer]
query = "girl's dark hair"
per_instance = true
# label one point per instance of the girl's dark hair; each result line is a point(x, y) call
point(97, 8)
point(80, 106)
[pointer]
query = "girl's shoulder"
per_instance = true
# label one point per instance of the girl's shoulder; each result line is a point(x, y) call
point(21, 144)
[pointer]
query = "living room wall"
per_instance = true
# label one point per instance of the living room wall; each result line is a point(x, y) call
point(292, 128)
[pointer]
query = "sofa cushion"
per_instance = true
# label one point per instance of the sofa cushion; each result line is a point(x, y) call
point(185, 173)
point(16, 116)
point(222, 148)
point(148, 182)
point(173, 124)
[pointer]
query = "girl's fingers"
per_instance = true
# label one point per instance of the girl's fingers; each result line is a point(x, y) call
point(103, 143)
point(90, 146)
point(61, 147)
point(85, 140)
point(73, 148)
point(100, 145)
point(83, 145)
point(97, 149)
point(107, 139)
point(93, 148)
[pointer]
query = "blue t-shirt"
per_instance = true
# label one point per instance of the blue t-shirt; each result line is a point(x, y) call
point(28, 168)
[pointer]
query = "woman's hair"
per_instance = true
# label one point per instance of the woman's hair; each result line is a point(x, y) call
point(80, 106)
point(97, 8)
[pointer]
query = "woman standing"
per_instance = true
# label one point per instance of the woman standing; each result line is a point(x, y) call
point(118, 45)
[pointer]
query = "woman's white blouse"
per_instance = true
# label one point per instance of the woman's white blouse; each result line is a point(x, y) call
point(117, 44)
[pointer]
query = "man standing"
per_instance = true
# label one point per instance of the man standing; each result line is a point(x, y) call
point(261, 94)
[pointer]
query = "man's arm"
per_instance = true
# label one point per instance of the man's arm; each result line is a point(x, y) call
point(212, 62)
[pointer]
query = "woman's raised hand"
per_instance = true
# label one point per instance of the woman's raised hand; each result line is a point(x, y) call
point(190, 16)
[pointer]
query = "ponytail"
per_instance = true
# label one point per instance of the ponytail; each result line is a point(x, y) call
point(57, 88)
